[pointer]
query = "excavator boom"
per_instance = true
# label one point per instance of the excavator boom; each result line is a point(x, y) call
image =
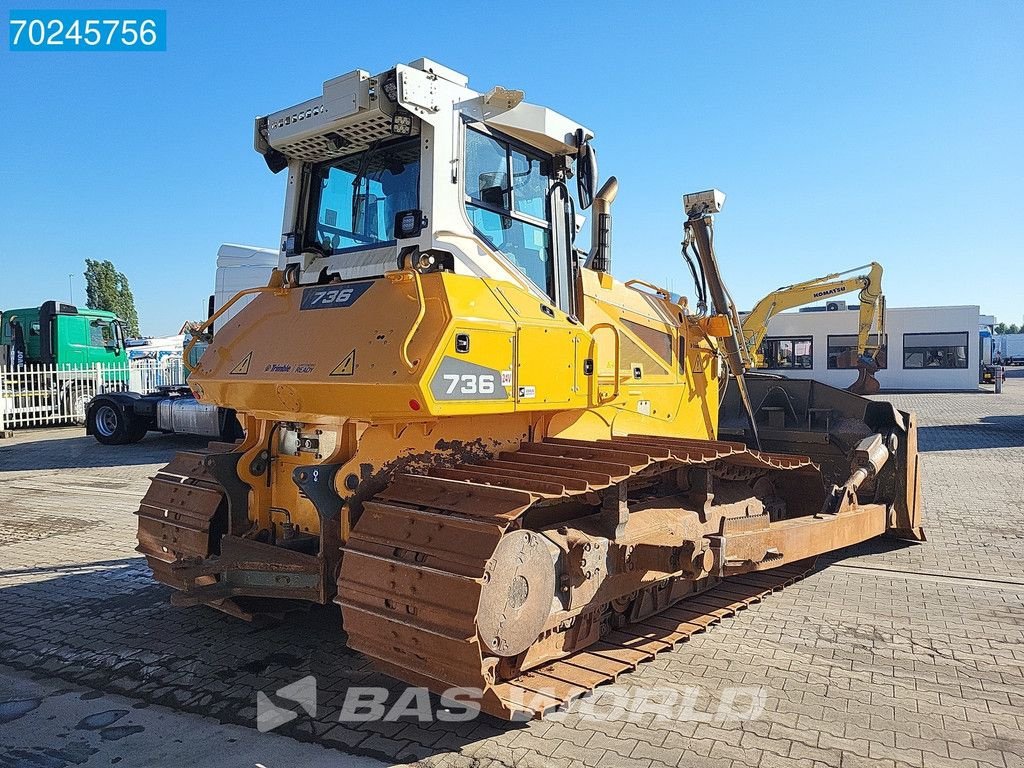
point(872, 311)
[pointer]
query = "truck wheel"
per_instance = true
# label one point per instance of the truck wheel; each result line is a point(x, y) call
point(78, 400)
point(110, 425)
point(136, 431)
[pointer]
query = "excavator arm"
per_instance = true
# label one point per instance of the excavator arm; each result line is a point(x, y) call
point(872, 309)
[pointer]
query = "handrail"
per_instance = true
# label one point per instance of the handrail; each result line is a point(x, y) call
point(420, 314)
point(196, 335)
point(659, 291)
point(618, 361)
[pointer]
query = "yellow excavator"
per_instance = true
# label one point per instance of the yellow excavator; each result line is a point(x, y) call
point(869, 353)
point(515, 474)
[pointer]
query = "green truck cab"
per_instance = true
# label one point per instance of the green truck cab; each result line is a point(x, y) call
point(56, 357)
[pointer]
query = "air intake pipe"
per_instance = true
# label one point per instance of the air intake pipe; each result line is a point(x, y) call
point(600, 257)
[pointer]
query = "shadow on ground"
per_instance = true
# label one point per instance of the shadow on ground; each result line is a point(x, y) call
point(108, 626)
point(879, 545)
point(84, 451)
point(988, 432)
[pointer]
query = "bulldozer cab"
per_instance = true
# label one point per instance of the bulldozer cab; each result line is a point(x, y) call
point(411, 168)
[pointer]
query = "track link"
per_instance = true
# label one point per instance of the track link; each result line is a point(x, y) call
point(178, 516)
point(418, 559)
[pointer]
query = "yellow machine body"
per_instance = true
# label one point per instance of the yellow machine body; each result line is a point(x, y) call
point(381, 379)
point(511, 471)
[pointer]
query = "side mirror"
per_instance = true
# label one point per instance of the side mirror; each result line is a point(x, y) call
point(586, 172)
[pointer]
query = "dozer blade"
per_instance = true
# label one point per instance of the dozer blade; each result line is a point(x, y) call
point(826, 423)
point(533, 593)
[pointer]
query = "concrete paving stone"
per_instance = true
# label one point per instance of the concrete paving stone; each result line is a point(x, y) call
point(690, 759)
point(899, 754)
point(860, 747)
point(805, 735)
point(756, 742)
point(741, 755)
point(664, 755)
point(850, 760)
point(615, 760)
point(921, 662)
point(990, 756)
point(589, 756)
point(689, 744)
point(536, 744)
point(622, 747)
point(769, 760)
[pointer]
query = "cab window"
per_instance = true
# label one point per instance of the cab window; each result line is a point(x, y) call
point(506, 196)
point(354, 200)
point(101, 334)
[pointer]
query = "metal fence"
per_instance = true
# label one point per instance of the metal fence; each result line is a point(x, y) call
point(41, 395)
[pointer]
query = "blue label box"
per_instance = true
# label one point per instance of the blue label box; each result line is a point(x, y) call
point(87, 30)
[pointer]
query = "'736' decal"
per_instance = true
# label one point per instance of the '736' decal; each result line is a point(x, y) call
point(333, 296)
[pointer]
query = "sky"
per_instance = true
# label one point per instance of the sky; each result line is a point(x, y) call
point(842, 132)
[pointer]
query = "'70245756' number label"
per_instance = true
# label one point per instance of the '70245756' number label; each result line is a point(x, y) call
point(87, 30)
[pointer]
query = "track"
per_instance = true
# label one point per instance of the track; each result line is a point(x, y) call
point(178, 514)
point(438, 572)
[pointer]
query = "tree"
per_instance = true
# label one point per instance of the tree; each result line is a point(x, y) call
point(108, 289)
point(1003, 328)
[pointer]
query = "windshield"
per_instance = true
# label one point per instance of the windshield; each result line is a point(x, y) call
point(354, 200)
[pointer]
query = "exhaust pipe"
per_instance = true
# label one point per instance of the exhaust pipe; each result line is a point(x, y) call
point(600, 257)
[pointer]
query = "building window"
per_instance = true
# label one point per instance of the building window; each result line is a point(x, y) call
point(935, 350)
point(788, 353)
point(839, 345)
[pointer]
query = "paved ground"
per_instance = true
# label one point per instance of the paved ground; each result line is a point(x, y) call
point(49, 723)
point(892, 654)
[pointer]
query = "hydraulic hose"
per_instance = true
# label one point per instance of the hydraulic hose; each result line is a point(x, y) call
point(700, 226)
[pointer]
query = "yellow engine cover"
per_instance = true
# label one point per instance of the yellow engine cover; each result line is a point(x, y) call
point(407, 370)
point(410, 347)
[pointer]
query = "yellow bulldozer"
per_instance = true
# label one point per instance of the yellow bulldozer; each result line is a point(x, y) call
point(515, 474)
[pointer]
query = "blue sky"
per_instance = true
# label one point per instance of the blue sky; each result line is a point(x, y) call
point(841, 132)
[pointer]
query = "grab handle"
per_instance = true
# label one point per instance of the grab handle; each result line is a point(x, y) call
point(402, 276)
point(618, 356)
point(199, 334)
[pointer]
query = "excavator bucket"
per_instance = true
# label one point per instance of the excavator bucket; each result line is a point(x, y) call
point(826, 424)
point(867, 367)
point(866, 383)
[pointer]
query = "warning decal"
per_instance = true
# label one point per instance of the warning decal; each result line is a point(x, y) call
point(243, 367)
point(347, 366)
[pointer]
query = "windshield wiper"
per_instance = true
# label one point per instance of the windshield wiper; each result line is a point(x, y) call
point(364, 165)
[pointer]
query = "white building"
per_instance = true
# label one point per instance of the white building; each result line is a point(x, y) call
point(936, 348)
